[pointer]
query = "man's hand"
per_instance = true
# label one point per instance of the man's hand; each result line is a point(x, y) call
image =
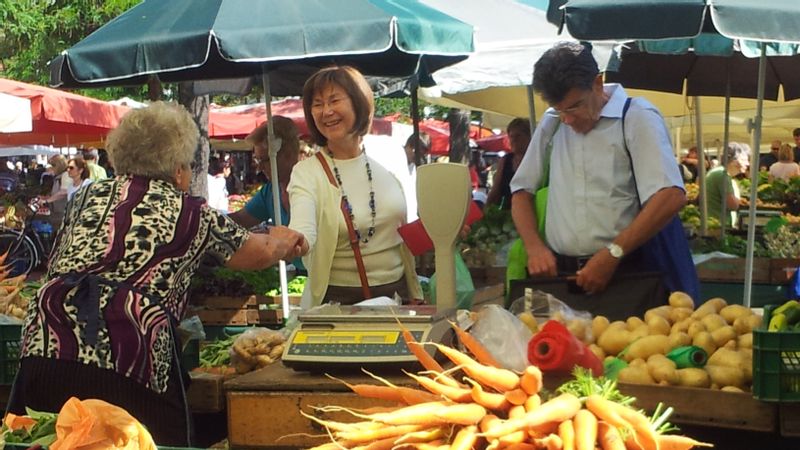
point(597, 272)
point(541, 261)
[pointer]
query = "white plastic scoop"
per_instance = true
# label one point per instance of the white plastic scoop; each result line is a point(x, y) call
point(443, 196)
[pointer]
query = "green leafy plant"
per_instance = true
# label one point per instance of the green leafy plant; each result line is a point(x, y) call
point(42, 432)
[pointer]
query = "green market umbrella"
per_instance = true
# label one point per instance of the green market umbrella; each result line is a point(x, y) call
point(283, 41)
point(752, 21)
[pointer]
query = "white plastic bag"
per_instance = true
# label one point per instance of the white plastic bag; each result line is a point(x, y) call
point(504, 336)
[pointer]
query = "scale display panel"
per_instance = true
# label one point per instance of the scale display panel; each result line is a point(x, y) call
point(361, 337)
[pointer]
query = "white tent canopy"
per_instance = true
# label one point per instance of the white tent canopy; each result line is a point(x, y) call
point(15, 114)
point(29, 150)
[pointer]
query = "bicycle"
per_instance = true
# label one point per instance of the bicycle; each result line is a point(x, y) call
point(27, 247)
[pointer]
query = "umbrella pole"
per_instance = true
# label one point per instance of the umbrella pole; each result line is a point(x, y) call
point(415, 121)
point(531, 107)
point(701, 168)
point(274, 148)
point(725, 135)
point(751, 228)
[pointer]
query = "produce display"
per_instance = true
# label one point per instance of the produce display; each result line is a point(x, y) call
point(256, 348)
point(34, 428)
point(785, 317)
point(228, 282)
point(487, 236)
point(15, 294)
point(477, 405)
point(641, 344)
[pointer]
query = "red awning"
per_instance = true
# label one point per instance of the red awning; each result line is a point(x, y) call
point(61, 118)
point(238, 121)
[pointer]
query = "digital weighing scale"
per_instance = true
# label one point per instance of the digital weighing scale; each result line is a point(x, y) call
point(341, 337)
point(364, 336)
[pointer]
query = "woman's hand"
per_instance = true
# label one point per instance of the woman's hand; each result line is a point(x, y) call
point(296, 242)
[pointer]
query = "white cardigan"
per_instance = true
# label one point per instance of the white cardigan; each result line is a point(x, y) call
point(309, 181)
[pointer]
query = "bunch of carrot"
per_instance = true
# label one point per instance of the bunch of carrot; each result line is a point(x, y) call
point(489, 408)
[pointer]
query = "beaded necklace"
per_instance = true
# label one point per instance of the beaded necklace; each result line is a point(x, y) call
point(371, 230)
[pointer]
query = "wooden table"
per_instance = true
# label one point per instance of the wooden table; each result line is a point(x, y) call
point(264, 406)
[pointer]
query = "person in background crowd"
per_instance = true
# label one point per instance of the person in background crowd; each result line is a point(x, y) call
point(611, 189)
point(217, 192)
point(766, 161)
point(785, 168)
point(519, 136)
point(57, 199)
point(338, 107)
point(690, 165)
point(9, 179)
point(103, 325)
point(102, 161)
point(425, 147)
point(260, 208)
point(232, 182)
point(96, 171)
point(78, 172)
point(796, 137)
point(720, 179)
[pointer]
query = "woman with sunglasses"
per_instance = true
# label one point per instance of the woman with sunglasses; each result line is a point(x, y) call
point(103, 325)
point(78, 173)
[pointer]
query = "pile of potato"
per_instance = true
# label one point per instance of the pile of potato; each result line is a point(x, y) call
point(723, 331)
point(256, 348)
point(12, 303)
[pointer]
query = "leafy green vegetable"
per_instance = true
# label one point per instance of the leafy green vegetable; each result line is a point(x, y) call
point(293, 287)
point(43, 432)
point(584, 384)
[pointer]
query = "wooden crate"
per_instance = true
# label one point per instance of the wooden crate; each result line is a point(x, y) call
point(782, 269)
point(205, 392)
point(732, 270)
point(244, 310)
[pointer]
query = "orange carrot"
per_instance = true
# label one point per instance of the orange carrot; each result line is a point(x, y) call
point(461, 414)
point(678, 442)
point(531, 380)
point(4, 256)
point(559, 408)
point(431, 414)
point(424, 358)
point(516, 411)
point(383, 444)
point(522, 446)
point(365, 436)
point(375, 391)
point(421, 436)
point(476, 348)
point(602, 409)
point(488, 400)
point(516, 396)
point(487, 422)
point(550, 442)
point(465, 438)
point(609, 437)
point(533, 402)
point(612, 412)
point(500, 379)
point(567, 434)
point(341, 426)
point(585, 424)
point(452, 393)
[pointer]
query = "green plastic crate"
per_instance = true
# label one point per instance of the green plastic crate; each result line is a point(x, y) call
point(776, 363)
point(10, 337)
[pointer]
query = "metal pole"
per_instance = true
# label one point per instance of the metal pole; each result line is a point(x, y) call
point(274, 148)
point(531, 107)
point(725, 135)
point(754, 153)
point(701, 168)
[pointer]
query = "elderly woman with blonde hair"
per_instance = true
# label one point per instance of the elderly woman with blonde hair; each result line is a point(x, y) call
point(103, 323)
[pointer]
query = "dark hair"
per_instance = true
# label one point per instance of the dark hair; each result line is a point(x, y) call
point(80, 163)
point(796, 132)
point(356, 87)
point(424, 141)
point(520, 124)
point(565, 66)
point(215, 166)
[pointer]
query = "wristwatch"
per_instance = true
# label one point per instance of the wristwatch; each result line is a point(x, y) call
point(615, 250)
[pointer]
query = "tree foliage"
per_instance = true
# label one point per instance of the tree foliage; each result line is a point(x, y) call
point(32, 32)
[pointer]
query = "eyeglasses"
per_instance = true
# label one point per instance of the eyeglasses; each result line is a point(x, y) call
point(577, 106)
point(775, 148)
point(71, 167)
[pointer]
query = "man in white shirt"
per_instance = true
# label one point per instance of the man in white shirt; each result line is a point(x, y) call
point(610, 190)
